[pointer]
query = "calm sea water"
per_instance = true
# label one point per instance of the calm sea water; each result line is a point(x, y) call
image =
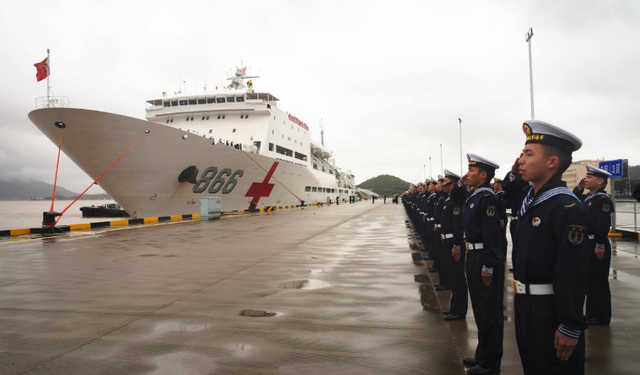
point(28, 214)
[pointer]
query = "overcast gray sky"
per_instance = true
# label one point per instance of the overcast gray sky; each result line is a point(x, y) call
point(389, 78)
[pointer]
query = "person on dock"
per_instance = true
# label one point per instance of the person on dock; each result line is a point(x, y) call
point(485, 265)
point(600, 207)
point(550, 254)
point(452, 238)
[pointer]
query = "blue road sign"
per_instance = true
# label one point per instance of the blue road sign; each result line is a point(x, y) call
point(615, 167)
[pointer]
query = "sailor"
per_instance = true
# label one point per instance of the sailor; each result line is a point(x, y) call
point(338, 200)
point(429, 203)
point(441, 196)
point(453, 244)
point(636, 192)
point(502, 213)
point(599, 206)
point(550, 254)
point(485, 265)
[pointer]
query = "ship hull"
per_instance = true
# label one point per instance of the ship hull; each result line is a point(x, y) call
point(145, 182)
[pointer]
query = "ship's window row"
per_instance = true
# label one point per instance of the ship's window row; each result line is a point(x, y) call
point(315, 189)
point(182, 102)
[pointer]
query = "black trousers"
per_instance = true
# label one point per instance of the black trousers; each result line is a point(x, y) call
point(598, 292)
point(487, 305)
point(459, 303)
point(440, 257)
point(536, 325)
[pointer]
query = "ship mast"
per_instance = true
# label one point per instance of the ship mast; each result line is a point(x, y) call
point(321, 133)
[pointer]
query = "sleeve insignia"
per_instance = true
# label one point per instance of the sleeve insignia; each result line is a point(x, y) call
point(456, 211)
point(576, 234)
point(491, 211)
point(606, 208)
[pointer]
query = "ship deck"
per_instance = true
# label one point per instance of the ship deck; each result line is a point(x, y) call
point(189, 298)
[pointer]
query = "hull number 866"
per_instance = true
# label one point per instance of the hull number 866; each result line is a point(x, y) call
point(215, 181)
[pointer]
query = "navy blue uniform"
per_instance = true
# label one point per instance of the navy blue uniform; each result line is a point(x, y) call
point(437, 242)
point(453, 233)
point(482, 230)
point(550, 247)
point(599, 206)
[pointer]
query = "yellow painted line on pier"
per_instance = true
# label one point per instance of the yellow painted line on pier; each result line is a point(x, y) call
point(83, 226)
point(196, 216)
point(150, 220)
point(176, 217)
point(19, 232)
point(119, 223)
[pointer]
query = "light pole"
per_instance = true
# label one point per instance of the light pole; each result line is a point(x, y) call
point(527, 38)
point(430, 169)
point(424, 167)
point(441, 162)
point(460, 122)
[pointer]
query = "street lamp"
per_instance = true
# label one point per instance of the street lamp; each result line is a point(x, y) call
point(527, 38)
point(430, 169)
point(441, 162)
point(460, 122)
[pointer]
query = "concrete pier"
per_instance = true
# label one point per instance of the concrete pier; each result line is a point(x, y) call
point(318, 290)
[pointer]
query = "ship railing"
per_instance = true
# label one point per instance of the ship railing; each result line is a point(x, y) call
point(53, 102)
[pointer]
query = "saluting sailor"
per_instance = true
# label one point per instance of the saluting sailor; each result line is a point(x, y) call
point(485, 265)
point(453, 244)
point(599, 206)
point(443, 277)
point(502, 213)
point(550, 254)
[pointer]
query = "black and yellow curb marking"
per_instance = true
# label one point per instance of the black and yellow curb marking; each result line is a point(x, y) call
point(625, 234)
point(98, 225)
point(142, 221)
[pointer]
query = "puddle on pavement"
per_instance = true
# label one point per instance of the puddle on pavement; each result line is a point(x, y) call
point(166, 327)
point(240, 350)
point(257, 313)
point(303, 284)
point(625, 277)
point(182, 363)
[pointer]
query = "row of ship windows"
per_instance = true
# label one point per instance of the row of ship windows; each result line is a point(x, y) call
point(314, 189)
point(181, 102)
point(287, 152)
point(204, 118)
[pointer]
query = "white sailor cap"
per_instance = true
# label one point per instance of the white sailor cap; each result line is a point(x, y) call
point(440, 177)
point(479, 161)
point(451, 175)
point(541, 132)
point(593, 171)
point(497, 180)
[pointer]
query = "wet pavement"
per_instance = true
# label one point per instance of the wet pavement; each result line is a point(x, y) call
point(315, 291)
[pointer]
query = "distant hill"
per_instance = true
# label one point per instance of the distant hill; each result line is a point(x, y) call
point(22, 190)
point(385, 185)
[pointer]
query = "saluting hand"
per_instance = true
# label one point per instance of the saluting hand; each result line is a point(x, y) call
point(599, 253)
point(486, 278)
point(515, 168)
point(583, 183)
point(564, 346)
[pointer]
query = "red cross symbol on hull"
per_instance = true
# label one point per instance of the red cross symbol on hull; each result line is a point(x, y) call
point(261, 189)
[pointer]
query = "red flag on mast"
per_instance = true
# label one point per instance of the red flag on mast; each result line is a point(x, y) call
point(42, 69)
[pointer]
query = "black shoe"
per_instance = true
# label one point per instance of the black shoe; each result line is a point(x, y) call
point(482, 371)
point(469, 362)
point(454, 317)
point(596, 322)
point(429, 257)
point(440, 288)
point(511, 270)
point(446, 312)
point(433, 270)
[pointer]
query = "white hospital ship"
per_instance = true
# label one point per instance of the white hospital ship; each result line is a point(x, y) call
point(234, 143)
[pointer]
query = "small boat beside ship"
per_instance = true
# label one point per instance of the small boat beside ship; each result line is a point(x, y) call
point(104, 210)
